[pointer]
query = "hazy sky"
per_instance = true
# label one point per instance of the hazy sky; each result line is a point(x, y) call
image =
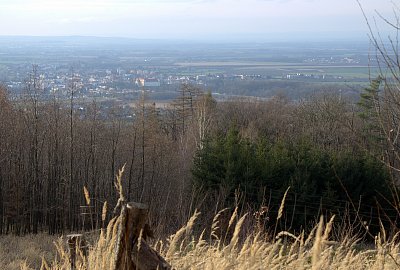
point(189, 19)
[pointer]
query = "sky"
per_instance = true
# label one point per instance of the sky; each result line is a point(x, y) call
point(192, 19)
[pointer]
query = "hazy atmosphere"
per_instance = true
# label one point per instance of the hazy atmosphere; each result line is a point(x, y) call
point(191, 19)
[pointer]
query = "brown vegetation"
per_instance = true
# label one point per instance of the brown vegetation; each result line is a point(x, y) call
point(51, 150)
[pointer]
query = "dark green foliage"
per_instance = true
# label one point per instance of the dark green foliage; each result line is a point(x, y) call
point(363, 176)
point(369, 112)
point(228, 161)
point(320, 180)
point(369, 98)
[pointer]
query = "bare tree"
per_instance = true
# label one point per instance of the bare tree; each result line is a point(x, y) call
point(386, 60)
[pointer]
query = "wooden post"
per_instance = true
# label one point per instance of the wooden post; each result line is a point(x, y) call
point(129, 255)
point(76, 242)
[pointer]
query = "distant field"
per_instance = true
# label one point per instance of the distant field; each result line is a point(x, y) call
point(266, 64)
point(281, 68)
point(233, 63)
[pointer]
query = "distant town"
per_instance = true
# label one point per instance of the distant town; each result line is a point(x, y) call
point(123, 72)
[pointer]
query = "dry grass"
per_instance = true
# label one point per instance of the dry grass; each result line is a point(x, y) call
point(15, 250)
point(185, 251)
point(287, 252)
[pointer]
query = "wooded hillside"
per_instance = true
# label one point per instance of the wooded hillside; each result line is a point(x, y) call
point(194, 153)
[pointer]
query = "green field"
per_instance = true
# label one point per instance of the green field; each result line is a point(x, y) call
point(281, 68)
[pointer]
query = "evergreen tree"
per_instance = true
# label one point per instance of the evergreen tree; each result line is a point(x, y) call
point(369, 112)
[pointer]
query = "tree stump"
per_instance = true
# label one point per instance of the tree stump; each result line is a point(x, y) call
point(76, 242)
point(131, 250)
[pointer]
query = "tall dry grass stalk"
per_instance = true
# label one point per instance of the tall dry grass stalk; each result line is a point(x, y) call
point(280, 211)
point(316, 250)
point(180, 237)
point(215, 226)
point(87, 196)
point(104, 211)
point(118, 183)
point(281, 207)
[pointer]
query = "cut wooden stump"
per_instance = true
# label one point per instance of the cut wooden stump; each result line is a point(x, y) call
point(76, 242)
point(131, 250)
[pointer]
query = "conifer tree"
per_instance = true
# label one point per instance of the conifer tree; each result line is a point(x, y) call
point(369, 106)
